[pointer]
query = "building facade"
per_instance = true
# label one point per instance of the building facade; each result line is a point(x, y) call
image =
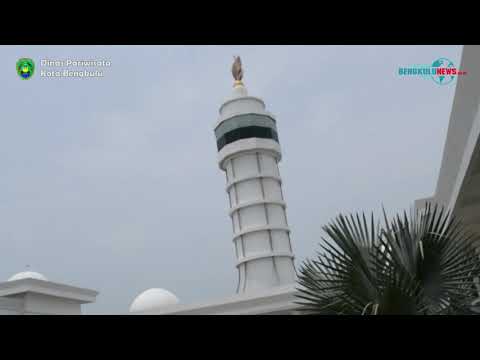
point(248, 153)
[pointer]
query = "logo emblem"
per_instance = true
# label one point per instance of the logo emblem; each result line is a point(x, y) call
point(442, 71)
point(25, 68)
point(442, 75)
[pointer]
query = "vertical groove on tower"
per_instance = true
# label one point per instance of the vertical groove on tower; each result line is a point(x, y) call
point(286, 221)
point(270, 240)
point(238, 282)
point(245, 276)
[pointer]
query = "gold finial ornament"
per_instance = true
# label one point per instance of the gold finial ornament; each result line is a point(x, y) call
point(237, 71)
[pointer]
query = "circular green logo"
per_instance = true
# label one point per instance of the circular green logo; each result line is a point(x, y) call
point(25, 68)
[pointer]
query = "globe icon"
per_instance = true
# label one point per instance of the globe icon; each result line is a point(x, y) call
point(440, 78)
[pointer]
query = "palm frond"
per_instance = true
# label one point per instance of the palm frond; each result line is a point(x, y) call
point(424, 262)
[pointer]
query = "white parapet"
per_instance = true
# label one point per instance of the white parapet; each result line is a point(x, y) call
point(33, 296)
point(280, 300)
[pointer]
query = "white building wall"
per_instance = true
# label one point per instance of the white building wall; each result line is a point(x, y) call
point(39, 304)
point(11, 306)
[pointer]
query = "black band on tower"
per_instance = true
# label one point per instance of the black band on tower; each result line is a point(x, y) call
point(245, 126)
point(245, 133)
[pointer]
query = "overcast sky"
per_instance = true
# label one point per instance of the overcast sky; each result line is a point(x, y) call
point(112, 183)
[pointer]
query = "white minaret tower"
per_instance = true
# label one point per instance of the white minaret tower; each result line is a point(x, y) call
point(249, 153)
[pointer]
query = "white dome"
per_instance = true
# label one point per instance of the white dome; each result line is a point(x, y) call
point(27, 275)
point(153, 299)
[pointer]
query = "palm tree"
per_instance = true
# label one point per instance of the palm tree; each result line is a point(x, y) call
point(421, 264)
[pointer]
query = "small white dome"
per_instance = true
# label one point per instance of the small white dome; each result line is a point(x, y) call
point(153, 299)
point(27, 275)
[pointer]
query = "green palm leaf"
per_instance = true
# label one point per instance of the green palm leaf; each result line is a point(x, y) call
point(421, 263)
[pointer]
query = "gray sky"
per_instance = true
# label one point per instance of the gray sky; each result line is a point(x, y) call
point(113, 183)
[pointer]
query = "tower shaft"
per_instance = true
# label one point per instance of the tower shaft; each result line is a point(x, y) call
point(249, 153)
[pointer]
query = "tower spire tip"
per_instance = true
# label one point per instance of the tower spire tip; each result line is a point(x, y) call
point(237, 71)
